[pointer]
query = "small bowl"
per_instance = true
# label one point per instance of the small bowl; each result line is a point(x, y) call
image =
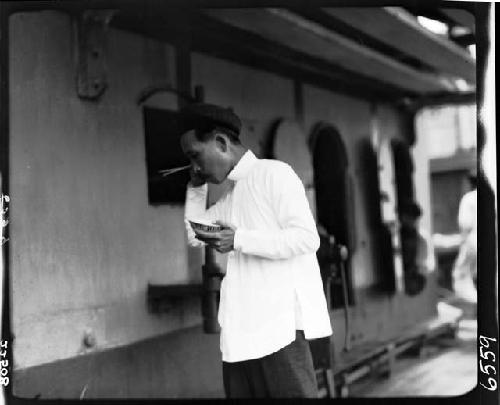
point(205, 227)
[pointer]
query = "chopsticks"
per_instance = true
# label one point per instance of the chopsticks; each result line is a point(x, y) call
point(168, 172)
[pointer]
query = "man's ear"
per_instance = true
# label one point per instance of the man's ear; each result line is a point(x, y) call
point(222, 142)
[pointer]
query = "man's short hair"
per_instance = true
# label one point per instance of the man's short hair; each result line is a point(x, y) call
point(206, 119)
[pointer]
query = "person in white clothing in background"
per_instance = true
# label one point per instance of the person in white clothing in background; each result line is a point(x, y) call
point(272, 300)
point(465, 267)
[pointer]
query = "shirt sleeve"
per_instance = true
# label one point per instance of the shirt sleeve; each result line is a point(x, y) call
point(425, 251)
point(297, 234)
point(195, 208)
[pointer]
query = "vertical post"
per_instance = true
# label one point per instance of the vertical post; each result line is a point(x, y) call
point(211, 272)
point(211, 282)
point(211, 288)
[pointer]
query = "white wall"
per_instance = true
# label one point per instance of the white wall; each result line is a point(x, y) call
point(448, 128)
point(84, 240)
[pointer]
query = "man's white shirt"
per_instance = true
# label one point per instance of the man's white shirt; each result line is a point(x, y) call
point(273, 283)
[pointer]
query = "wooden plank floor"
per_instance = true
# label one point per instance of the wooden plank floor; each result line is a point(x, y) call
point(448, 367)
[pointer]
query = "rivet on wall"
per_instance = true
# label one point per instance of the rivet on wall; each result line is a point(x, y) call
point(89, 339)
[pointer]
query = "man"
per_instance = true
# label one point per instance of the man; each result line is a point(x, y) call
point(465, 268)
point(272, 297)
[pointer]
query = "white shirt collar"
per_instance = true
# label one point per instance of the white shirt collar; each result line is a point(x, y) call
point(241, 169)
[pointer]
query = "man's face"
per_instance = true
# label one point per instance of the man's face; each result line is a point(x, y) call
point(209, 159)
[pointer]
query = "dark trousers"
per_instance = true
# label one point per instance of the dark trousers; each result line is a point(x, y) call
point(287, 373)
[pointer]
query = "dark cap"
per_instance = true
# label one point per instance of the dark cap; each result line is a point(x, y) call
point(202, 114)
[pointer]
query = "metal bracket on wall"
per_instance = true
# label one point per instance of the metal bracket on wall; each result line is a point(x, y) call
point(91, 78)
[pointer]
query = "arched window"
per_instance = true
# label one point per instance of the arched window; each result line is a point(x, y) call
point(334, 201)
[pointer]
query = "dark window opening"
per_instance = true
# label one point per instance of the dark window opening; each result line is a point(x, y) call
point(334, 209)
point(163, 151)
